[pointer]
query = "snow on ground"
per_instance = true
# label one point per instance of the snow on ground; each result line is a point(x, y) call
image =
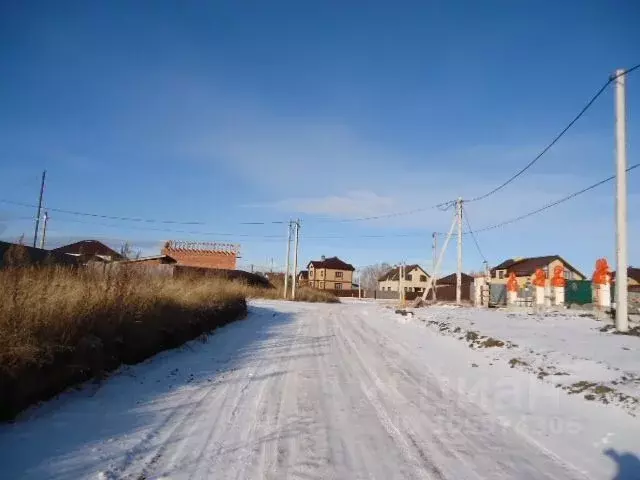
point(568, 350)
point(345, 391)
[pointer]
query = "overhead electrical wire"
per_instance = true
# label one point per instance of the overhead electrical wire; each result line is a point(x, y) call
point(128, 219)
point(556, 138)
point(470, 231)
point(552, 204)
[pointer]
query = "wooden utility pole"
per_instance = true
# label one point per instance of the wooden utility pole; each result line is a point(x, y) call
point(35, 233)
point(622, 320)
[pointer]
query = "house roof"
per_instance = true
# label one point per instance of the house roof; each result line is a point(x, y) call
point(527, 266)
point(38, 255)
point(89, 247)
point(333, 263)
point(304, 275)
point(451, 279)
point(169, 259)
point(632, 272)
point(394, 274)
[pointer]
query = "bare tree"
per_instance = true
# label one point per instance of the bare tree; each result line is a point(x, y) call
point(369, 275)
point(127, 251)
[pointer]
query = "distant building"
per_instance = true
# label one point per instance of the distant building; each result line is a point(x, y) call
point(303, 278)
point(415, 279)
point(203, 254)
point(633, 276)
point(90, 250)
point(24, 255)
point(525, 269)
point(152, 260)
point(330, 274)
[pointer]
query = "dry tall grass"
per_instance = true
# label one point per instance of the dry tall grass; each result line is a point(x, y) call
point(47, 310)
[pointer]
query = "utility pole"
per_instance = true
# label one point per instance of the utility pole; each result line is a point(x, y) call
point(295, 261)
point(44, 229)
point(459, 272)
point(35, 233)
point(286, 273)
point(435, 250)
point(622, 320)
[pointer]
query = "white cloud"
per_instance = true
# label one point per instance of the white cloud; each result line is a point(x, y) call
point(353, 204)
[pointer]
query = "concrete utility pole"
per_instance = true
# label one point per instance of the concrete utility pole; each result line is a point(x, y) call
point(622, 319)
point(294, 280)
point(35, 233)
point(459, 272)
point(44, 229)
point(286, 273)
point(434, 273)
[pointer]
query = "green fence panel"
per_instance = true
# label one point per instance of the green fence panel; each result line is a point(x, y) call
point(578, 291)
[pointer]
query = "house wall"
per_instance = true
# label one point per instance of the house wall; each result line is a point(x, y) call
point(204, 259)
point(411, 285)
point(325, 279)
point(523, 280)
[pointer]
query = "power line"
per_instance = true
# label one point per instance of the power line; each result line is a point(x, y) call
point(444, 206)
point(128, 219)
point(475, 240)
point(556, 138)
point(153, 229)
point(553, 204)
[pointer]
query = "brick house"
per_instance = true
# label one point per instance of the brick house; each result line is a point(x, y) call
point(202, 254)
point(415, 279)
point(525, 269)
point(330, 274)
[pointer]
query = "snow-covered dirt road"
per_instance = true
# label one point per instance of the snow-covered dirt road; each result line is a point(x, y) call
point(344, 391)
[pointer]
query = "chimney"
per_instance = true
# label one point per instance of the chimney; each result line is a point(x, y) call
point(323, 258)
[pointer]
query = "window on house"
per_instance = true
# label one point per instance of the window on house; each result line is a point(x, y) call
point(321, 273)
point(338, 286)
point(338, 274)
point(423, 278)
point(500, 273)
point(568, 275)
point(410, 277)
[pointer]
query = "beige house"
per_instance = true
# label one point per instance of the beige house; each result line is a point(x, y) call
point(330, 274)
point(415, 279)
point(525, 269)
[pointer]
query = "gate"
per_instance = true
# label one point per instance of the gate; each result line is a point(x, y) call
point(498, 294)
point(578, 291)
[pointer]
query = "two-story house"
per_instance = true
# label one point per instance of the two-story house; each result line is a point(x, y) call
point(415, 279)
point(330, 274)
point(525, 269)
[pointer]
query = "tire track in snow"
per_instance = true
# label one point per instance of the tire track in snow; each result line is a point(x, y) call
point(509, 436)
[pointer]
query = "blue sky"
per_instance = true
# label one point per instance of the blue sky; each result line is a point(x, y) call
point(231, 112)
